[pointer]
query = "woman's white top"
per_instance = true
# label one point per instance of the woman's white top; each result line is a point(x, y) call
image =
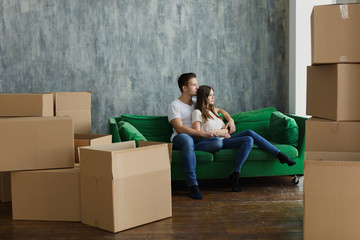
point(210, 124)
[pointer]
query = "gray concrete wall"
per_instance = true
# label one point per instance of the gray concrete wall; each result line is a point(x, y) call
point(129, 53)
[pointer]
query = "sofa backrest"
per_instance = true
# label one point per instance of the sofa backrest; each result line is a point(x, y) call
point(154, 128)
point(256, 120)
point(158, 128)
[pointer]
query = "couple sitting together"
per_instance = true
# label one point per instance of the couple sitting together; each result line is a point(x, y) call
point(198, 126)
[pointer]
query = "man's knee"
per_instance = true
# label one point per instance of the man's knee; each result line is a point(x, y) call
point(184, 141)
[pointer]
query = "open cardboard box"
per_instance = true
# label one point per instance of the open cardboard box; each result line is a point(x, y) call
point(123, 186)
point(84, 140)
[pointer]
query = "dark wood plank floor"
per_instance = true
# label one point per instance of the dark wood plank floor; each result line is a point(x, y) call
point(267, 208)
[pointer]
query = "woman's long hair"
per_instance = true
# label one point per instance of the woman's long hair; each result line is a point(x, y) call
point(202, 104)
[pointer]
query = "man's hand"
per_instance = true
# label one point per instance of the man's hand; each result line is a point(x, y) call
point(231, 125)
point(210, 134)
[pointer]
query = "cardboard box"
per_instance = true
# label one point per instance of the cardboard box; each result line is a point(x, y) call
point(84, 140)
point(5, 187)
point(151, 143)
point(26, 105)
point(333, 91)
point(36, 143)
point(123, 187)
point(50, 195)
point(335, 34)
point(330, 136)
point(332, 197)
point(78, 106)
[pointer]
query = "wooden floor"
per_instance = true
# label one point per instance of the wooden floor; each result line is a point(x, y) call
point(267, 208)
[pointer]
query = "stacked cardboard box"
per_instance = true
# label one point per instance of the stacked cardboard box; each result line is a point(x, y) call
point(332, 150)
point(132, 185)
point(36, 134)
point(5, 187)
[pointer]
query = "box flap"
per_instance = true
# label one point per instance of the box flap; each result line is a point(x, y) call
point(139, 161)
point(97, 160)
point(150, 143)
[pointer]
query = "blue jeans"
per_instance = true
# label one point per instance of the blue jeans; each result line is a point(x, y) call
point(244, 142)
point(188, 145)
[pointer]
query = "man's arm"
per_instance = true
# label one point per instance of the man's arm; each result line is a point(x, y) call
point(180, 128)
point(231, 123)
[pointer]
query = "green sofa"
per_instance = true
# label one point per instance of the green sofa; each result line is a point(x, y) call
point(286, 132)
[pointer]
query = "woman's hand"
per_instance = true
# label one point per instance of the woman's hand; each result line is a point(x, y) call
point(231, 126)
point(227, 135)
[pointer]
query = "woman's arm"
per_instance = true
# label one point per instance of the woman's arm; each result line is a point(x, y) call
point(217, 133)
point(180, 128)
point(231, 123)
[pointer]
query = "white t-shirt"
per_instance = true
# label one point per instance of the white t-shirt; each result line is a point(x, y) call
point(178, 109)
point(210, 124)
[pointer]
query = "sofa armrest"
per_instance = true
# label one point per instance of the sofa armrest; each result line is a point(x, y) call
point(301, 124)
point(113, 129)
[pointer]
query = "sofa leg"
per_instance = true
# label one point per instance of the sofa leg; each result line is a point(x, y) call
point(296, 180)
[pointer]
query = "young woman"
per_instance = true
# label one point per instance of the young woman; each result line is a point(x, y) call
point(205, 117)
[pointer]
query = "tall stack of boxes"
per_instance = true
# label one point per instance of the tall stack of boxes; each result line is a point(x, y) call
point(60, 171)
point(332, 144)
point(37, 134)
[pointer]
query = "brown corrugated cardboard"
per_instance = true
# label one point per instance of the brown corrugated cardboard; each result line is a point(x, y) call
point(150, 143)
point(36, 143)
point(26, 105)
point(5, 187)
point(123, 187)
point(78, 106)
point(335, 33)
point(332, 198)
point(333, 91)
point(84, 140)
point(51, 195)
point(331, 136)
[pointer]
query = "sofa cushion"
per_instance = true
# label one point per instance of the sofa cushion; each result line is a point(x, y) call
point(201, 157)
point(256, 154)
point(256, 120)
point(284, 129)
point(128, 132)
point(154, 128)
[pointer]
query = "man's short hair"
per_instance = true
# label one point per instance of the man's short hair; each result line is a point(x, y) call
point(184, 79)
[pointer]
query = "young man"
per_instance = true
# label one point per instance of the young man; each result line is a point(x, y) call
point(187, 139)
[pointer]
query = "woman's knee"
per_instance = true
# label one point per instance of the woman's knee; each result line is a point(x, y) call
point(250, 132)
point(216, 143)
point(249, 140)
